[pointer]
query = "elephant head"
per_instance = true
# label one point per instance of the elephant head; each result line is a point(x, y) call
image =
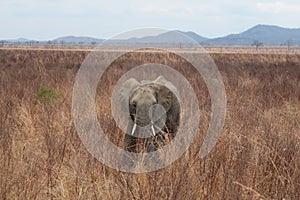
point(152, 104)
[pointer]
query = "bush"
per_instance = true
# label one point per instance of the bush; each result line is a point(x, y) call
point(47, 94)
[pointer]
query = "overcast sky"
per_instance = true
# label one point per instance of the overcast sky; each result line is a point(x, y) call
point(49, 19)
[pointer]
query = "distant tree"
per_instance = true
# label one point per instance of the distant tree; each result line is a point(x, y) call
point(257, 44)
point(2, 42)
point(289, 44)
point(49, 42)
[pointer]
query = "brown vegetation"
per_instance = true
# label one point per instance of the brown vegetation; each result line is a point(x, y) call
point(256, 157)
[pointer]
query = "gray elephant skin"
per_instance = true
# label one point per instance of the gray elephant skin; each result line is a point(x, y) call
point(142, 98)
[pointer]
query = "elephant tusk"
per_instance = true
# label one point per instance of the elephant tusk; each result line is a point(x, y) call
point(133, 129)
point(153, 131)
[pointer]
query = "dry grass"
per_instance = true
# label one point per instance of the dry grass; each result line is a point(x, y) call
point(257, 156)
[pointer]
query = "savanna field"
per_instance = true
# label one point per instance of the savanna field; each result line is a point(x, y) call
point(256, 157)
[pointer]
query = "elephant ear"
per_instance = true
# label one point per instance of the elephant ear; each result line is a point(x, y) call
point(125, 91)
point(164, 96)
point(162, 81)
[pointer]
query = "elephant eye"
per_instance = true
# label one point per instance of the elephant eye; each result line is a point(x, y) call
point(156, 97)
point(133, 104)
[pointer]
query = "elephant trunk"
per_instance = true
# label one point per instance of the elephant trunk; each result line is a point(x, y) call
point(151, 126)
point(142, 117)
point(142, 122)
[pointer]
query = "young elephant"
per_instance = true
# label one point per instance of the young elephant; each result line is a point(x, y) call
point(153, 106)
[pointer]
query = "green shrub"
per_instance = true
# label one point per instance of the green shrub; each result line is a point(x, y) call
point(47, 94)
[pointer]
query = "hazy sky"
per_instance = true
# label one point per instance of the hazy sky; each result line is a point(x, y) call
point(48, 19)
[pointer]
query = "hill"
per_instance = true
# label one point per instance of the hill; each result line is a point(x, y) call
point(267, 34)
point(77, 40)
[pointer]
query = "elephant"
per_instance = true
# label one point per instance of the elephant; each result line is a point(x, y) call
point(154, 107)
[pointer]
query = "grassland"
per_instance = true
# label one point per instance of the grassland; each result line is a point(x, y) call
point(256, 157)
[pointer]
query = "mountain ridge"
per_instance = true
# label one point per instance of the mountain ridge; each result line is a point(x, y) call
point(269, 35)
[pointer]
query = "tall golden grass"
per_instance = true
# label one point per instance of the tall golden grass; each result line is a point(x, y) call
point(256, 157)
